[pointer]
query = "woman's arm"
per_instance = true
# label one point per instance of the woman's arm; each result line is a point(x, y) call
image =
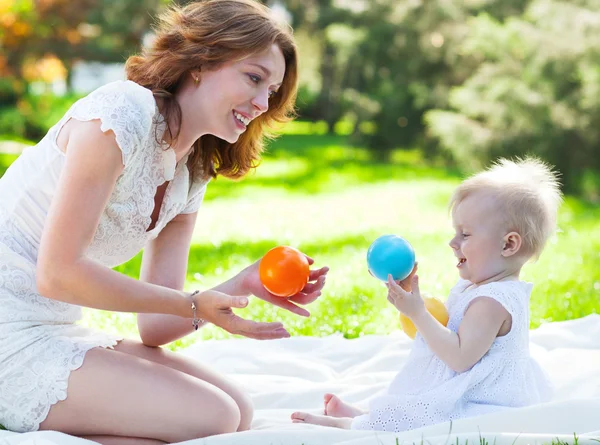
point(165, 263)
point(92, 166)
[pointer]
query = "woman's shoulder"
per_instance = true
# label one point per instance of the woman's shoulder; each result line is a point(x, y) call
point(124, 93)
point(124, 107)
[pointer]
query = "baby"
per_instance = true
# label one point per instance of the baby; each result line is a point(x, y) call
point(480, 362)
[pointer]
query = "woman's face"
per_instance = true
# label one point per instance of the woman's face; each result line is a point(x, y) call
point(226, 100)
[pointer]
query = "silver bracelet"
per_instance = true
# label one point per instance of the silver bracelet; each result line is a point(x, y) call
point(195, 321)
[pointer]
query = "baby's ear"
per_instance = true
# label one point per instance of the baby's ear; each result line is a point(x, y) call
point(512, 244)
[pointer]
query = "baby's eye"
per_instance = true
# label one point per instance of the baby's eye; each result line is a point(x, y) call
point(272, 93)
point(465, 235)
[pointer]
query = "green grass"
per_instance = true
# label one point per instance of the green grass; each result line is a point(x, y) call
point(318, 194)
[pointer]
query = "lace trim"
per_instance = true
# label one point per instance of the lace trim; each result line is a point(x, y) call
point(58, 393)
point(131, 113)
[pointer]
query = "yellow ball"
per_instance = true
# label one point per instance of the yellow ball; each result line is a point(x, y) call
point(435, 306)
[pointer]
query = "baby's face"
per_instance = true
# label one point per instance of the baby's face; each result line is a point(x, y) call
point(478, 239)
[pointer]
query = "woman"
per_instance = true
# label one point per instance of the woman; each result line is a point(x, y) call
point(126, 168)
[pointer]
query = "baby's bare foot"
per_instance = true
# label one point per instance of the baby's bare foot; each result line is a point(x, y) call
point(334, 407)
point(315, 419)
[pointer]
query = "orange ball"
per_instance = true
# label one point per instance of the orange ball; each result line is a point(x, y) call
point(435, 306)
point(284, 271)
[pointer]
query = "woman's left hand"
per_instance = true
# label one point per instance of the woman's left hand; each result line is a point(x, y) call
point(308, 294)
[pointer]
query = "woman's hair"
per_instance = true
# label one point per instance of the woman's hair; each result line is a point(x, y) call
point(527, 193)
point(204, 35)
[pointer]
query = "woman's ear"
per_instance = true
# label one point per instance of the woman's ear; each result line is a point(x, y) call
point(512, 244)
point(195, 76)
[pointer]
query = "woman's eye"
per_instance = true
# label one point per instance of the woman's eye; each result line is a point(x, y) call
point(254, 78)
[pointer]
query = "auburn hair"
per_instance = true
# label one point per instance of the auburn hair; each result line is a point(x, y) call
point(204, 35)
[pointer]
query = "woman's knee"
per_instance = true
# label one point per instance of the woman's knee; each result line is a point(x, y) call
point(246, 407)
point(220, 416)
point(225, 416)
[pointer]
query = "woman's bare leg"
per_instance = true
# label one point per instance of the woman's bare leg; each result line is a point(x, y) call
point(119, 394)
point(192, 367)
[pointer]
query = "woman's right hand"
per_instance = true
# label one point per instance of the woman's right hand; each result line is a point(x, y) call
point(216, 308)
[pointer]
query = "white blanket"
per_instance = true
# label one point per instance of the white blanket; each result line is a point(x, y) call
point(292, 374)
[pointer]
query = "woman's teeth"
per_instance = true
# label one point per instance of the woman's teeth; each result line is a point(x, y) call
point(242, 119)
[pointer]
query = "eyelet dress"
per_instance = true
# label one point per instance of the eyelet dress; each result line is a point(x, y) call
point(426, 391)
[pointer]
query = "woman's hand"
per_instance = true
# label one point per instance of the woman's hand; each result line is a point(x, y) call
point(216, 307)
point(310, 292)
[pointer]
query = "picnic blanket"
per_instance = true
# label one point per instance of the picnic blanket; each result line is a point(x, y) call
point(292, 374)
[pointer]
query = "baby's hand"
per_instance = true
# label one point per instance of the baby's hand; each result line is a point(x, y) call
point(406, 283)
point(409, 303)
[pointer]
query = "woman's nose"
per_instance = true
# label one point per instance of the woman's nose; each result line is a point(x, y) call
point(261, 101)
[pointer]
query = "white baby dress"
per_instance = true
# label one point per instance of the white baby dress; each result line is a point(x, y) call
point(426, 391)
point(40, 342)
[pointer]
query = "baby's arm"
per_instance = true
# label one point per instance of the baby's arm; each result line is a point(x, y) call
point(480, 325)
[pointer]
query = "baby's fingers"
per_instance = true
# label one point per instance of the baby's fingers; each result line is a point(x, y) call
point(392, 285)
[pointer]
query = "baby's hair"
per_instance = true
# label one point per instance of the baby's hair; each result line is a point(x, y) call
point(528, 196)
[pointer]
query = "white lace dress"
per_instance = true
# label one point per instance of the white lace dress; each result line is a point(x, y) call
point(40, 342)
point(426, 391)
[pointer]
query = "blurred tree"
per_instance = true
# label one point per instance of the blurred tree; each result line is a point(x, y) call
point(93, 30)
point(331, 23)
point(409, 60)
point(536, 90)
point(389, 62)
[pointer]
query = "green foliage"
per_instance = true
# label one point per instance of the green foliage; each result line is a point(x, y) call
point(536, 90)
point(12, 122)
point(5, 161)
point(8, 92)
point(103, 30)
point(469, 81)
point(390, 62)
point(34, 115)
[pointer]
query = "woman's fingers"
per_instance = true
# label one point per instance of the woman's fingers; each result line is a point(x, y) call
point(314, 286)
point(304, 299)
point(252, 329)
point(316, 273)
point(284, 303)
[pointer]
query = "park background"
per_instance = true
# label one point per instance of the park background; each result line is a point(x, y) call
point(398, 101)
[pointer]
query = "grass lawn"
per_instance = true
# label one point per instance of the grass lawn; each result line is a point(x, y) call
point(317, 193)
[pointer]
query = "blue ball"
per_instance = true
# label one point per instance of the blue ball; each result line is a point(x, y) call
point(391, 254)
